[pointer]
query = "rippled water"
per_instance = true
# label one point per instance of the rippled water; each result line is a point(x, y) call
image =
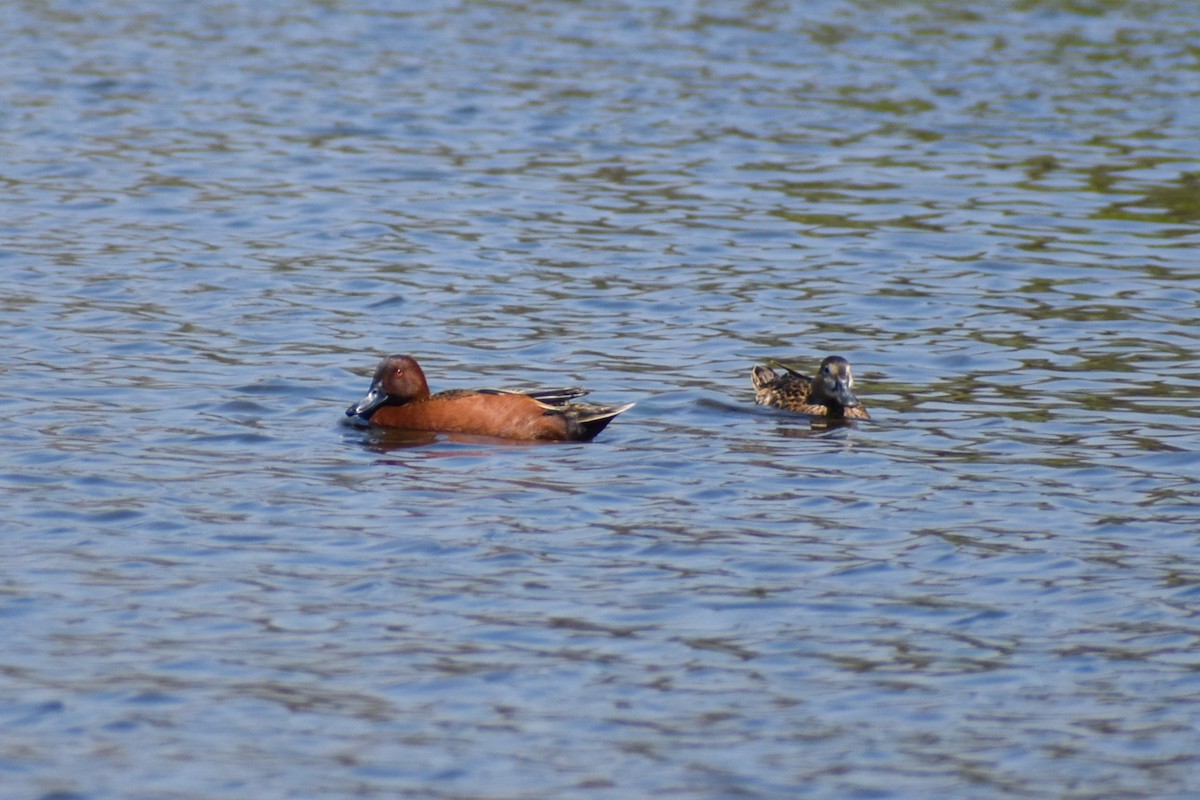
point(217, 216)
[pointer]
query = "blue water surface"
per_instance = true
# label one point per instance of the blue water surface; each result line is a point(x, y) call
point(218, 216)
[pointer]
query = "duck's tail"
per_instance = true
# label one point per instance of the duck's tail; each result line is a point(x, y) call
point(763, 378)
point(586, 421)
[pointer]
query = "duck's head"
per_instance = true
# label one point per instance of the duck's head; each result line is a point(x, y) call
point(834, 383)
point(397, 380)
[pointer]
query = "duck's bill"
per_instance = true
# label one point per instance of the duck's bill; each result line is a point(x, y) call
point(365, 407)
point(845, 396)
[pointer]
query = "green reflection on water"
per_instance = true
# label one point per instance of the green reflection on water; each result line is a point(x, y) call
point(1177, 202)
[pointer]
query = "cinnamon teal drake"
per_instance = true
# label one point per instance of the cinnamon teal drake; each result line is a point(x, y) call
point(830, 394)
point(399, 397)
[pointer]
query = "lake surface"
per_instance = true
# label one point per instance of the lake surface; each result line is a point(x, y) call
point(216, 217)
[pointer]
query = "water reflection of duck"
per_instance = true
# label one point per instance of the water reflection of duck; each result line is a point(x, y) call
point(830, 394)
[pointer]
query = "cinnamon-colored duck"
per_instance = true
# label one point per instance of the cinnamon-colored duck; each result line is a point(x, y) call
point(830, 394)
point(399, 398)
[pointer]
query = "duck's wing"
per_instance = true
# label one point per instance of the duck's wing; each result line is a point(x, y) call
point(548, 397)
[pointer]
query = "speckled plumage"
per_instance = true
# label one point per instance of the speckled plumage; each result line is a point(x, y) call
point(830, 394)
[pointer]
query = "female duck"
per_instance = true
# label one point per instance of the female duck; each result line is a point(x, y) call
point(399, 398)
point(830, 394)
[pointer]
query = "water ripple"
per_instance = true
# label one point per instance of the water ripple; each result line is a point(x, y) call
point(217, 219)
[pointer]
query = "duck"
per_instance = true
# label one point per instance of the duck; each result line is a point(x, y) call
point(399, 397)
point(830, 394)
